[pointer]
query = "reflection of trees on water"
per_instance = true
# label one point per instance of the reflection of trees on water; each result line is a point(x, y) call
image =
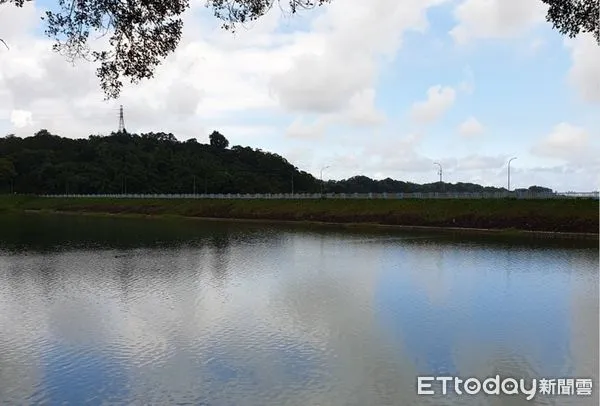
point(219, 264)
point(257, 318)
point(124, 268)
point(45, 233)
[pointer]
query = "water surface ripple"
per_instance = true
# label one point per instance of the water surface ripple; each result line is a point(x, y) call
point(114, 311)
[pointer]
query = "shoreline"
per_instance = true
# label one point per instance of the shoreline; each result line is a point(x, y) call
point(508, 232)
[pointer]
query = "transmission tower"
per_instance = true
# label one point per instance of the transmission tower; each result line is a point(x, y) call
point(121, 120)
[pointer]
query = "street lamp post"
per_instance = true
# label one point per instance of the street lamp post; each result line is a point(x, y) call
point(511, 159)
point(322, 169)
point(439, 172)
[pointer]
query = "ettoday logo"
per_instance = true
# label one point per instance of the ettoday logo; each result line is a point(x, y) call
point(428, 385)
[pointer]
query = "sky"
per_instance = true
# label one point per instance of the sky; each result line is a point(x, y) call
point(381, 88)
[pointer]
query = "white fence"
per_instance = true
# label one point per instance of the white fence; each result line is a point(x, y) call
point(432, 195)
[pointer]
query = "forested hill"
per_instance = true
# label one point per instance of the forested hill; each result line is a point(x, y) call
point(159, 163)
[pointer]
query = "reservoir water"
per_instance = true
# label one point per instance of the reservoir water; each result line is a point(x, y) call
point(167, 312)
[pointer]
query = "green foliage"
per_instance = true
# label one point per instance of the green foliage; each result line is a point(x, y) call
point(218, 140)
point(140, 35)
point(572, 17)
point(558, 215)
point(143, 33)
point(7, 170)
point(363, 184)
point(539, 189)
point(142, 163)
point(234, 12)
point(159, 163)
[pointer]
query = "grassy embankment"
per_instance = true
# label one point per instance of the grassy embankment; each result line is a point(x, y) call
point(564, 215)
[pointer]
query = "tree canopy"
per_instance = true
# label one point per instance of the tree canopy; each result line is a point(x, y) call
point(141, 163)
point(7, 170)
point(158, 163)
point(143, 33)
point(218, 140)
point(572, 17)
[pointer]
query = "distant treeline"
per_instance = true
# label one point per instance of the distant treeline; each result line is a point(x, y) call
point(159, 163)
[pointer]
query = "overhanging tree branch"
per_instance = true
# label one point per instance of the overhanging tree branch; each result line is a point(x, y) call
point(141, 34)
point(574, 17)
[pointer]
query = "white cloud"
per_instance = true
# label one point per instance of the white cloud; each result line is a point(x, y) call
point(354, 36)
point(471, 127)
point(360, 112)
point(489, 19)
point(322, 66)
point(15, 22)
point(402, 158)
point(299, 128)
point(21, 118)
point(439, 100)
point(182, 98)
point(243, 133)
point(571, 144)
point(314, 85)
point(565, 141)
point(199, 81)
point(395, 157)
point(332, 69)
point(584, 74)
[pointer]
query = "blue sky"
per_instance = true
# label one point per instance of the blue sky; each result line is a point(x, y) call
point(380, 88)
